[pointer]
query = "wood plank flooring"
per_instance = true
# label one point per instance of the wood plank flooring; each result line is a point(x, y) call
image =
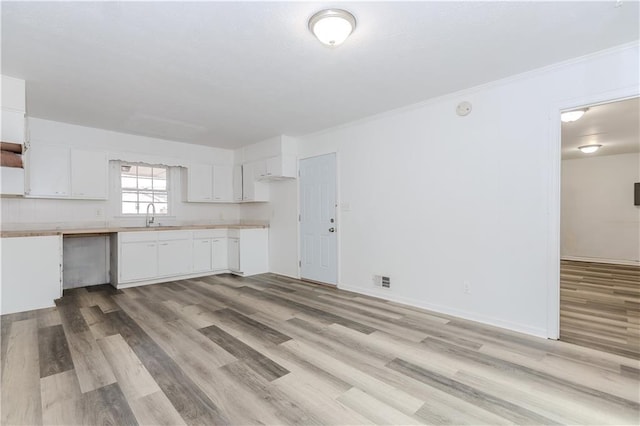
point(273, 350)
point(600, 306)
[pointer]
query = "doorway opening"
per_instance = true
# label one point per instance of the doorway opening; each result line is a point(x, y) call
point(600, 228)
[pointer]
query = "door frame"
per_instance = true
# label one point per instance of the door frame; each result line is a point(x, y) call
point(338, 216)
point(554, 185)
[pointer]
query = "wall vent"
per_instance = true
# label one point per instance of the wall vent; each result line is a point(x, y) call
point(386, 282)
point(381, 281)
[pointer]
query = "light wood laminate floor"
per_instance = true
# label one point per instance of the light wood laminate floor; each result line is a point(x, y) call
point(272, 350)
point(600, 306)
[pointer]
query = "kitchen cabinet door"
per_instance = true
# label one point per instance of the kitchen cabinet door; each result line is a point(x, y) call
point(89, 174)
point(48, 171)
point(251, 189)
point(202, 255)
point(200, 183)
point(174, 257)
point(234, 254)
point(30, 272)
point(237, 183)
point(138, 260)
point(222, 183)
point(219, 254)
point(12, 126)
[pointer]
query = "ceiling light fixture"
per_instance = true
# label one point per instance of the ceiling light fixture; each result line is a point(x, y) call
point(569, 116)
point(332, 26)
point(589, 149)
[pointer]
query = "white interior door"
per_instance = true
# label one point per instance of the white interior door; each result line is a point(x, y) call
point(318, 228)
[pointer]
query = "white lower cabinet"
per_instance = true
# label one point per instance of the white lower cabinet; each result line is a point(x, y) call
point(145, 257)
point(202, 255)
point(174, 253)
point(234, 254)
point(31, 273)
point(249, 251)
point(139, 261)
point(219, 256)
point(137, 256)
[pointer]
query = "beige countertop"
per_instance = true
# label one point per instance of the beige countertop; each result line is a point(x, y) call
point(110, 230)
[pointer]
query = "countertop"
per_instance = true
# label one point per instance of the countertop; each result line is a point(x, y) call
point(111, 230)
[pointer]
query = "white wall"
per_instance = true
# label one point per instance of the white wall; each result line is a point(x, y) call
point(436, 199)
point(19, 212)
point(599, 220)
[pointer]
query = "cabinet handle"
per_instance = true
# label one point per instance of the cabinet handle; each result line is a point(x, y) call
point(164, 244)
point(204, 242)
point(151, 245)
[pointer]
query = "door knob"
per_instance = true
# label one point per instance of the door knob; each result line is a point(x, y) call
point(332, 229)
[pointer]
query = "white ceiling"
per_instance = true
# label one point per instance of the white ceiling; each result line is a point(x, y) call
point(616, 126)
point(231, 73)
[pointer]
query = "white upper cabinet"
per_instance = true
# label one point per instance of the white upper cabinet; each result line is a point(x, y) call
point(200, 183)
point(237, 183)
point(48, 172)
point(280, 167)
point(252, 190)
point(210, 183)
point(12, 126)
point(89, 174)
point(12, 106)
point(222, 183)
point(56, 171)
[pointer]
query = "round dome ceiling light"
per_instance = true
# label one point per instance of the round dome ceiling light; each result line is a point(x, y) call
point(575, 115)
point(332, 26)
point(589, 149)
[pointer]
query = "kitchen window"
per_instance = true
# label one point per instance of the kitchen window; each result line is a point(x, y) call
point(141, 185)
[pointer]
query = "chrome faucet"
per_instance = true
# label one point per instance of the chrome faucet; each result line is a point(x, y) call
point(151, 220)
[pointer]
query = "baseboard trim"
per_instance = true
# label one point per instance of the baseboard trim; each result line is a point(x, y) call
point(520, 328)
point(600, 260)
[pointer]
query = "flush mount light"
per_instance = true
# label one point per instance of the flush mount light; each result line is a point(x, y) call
point(589, 149)
point(332, 26)
point(569, 116)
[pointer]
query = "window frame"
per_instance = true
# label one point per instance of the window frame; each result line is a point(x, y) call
point(142, 210)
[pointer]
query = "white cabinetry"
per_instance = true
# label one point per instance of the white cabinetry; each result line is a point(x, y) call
point(234, 254)
point(12, 108)
point(210, 250)
point(174, 253)
point(210, 183)
point(56, 171)
point(219, 256)
point(31, 273)
point(145, 257)
point(48, 171)
point(199, 183)
point(252, 190)
point(138, 256)
point(278, 168)
point(12, 126)
point(237, 183)
point(249, 251)
point(89, 174)
point(222, 183)
point(202, 254)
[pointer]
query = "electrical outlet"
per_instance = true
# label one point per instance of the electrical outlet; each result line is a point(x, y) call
point(466, 287)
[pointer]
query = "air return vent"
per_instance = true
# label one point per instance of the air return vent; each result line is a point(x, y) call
point(386, 282)
point(381, 281)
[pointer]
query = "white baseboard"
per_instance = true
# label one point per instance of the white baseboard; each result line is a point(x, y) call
point(600, 260)
point(521, 328)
